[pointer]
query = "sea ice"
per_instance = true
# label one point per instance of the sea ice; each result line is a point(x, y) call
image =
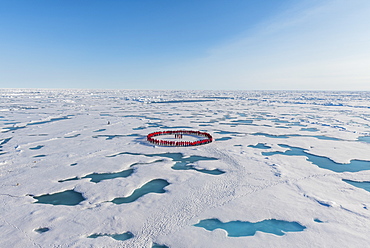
point(76, 169)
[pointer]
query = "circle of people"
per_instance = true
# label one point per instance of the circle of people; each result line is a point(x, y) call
point(178, 135)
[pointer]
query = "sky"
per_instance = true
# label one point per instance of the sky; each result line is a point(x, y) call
point(185, 44)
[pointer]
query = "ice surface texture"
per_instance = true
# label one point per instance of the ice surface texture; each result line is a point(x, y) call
point(287, 169)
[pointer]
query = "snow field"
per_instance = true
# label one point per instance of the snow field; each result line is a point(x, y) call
point(49, 136)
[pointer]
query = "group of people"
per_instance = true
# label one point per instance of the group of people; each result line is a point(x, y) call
point(178, 134)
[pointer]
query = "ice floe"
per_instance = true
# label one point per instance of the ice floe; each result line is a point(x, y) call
point(286, 169)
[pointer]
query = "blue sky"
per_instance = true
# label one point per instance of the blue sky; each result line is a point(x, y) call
point(185, 44)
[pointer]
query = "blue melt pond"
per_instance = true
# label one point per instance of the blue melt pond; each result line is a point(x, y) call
point(183, 101)
point(223, 138)
point(73, 136)
point(4, 141)
point(279, 121)
point(40, 156)
point(260, 146)
point(243, 121)
point(245, 228)
point(310, 129)
point(322, 137)
point(296, 124)
point(36, 147)
point(362, 185)
point(68, 198)
point(364, 139)
point(120, 237)
point(42, 230)
point(98, 177)
point(100, 130)
point(154, 186)
point(182, 162)
point(323, 162)
point(159, 246)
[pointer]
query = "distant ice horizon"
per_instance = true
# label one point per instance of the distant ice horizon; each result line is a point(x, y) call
point(174, 89)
